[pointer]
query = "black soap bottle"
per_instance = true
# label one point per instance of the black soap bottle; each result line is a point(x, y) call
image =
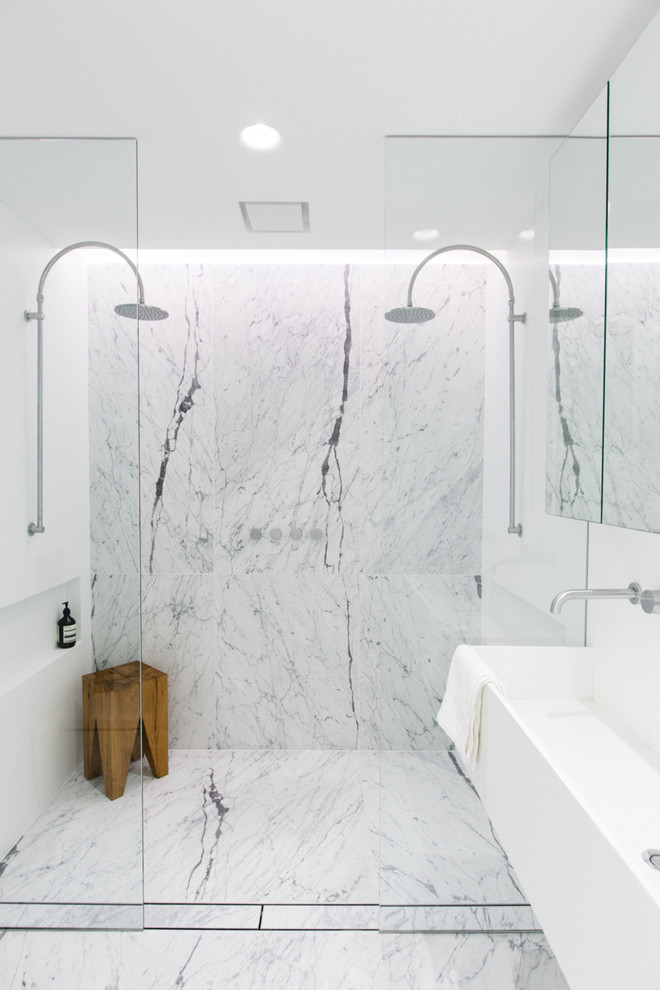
point(66, 629)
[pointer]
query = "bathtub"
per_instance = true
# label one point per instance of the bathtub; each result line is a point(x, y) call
point(575, 800)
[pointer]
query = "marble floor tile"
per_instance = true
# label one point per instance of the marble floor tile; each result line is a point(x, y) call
point(82, 849)
point(330, 917)
point(458, 918)
point(268, 960)
point(202, 916)
point(260, 826)
point(437, 843)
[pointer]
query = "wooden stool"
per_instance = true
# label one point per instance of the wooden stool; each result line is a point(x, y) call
point(112, 726)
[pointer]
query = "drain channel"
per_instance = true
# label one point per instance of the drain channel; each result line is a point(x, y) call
point(652, 857)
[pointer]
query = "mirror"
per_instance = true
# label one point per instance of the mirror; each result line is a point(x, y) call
point(603, 451)
point(631, 457)
point(577, 228)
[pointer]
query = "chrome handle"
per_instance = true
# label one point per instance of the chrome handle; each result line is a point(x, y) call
point(650, 601)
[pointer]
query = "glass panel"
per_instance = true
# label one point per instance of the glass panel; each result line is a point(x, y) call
point(578, 197)
point(631, 477)
point(451, 572)
point(69, 856)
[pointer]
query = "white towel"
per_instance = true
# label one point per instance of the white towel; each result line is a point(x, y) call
point(460, 712)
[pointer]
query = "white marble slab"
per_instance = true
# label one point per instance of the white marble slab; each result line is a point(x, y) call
point(288, 661)
point(326, 917)
point(203, 916)
point(575, 395)
point(81, 917)
point(113, 424)
point(287, 453)
point(83, 848)
point(425, 617)
point(153, 960)
point(263, 827)
point(178, 637)
point(631, 491)
point(177, 422)
point(458, 918)
point(115, 619)
point(433, 426)
point(437, 844)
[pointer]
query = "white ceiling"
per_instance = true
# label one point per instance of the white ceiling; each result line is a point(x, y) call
point(334, 77)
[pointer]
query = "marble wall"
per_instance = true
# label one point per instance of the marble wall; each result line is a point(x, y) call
point(575, 396)
point(310, 498)
point(631, 466)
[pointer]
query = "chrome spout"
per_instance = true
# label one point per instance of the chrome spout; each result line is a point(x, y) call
point(632, 594)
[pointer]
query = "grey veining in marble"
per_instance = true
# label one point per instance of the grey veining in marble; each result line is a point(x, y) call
point(575, 396)
point(178, 637)
point(294, 447)
point(437, 843)
point(458, 918)
point(263, 827)
point(286, 400)
point(177, 423)
point(631, 465)
point(288, 662)
point(115, 619)
point(278, 960)
point(82, 849)
point(84, 917)
point(425, 617)
point(433, 428)
point(113, 425)
point(328, 917)
point(203, 916)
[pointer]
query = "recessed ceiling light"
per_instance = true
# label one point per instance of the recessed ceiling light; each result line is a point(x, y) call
point(261, 137)
point(426, 234)
point(526, 235)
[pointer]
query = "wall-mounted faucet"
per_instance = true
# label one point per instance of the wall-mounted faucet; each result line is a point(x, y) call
point(633, 594)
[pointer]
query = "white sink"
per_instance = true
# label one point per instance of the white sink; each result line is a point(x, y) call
point(575, 799)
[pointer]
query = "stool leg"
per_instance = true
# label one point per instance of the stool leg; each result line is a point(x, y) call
point(154, 724)
point(91, 751)
point(117, 726)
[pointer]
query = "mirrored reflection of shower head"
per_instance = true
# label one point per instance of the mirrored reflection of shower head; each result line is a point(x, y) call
point(140, 311)
point(410, 314)
point(559, 315)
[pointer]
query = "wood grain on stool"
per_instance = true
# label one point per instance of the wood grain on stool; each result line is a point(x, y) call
point(113, 729)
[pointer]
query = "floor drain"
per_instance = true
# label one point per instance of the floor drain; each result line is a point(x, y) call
point(652, 857)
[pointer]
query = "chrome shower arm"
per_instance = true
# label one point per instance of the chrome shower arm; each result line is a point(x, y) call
point(555, 290)
point(39, 316)
point(86, 244)
point(514, 528)
point(463, 247)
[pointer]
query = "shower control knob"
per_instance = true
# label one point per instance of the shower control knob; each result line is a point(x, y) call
point(650, 601)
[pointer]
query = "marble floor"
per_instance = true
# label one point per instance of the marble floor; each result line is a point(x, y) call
point(310, 869)
point(185, 960)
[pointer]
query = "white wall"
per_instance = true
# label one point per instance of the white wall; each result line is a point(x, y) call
point(39, 684)
point(627, 679)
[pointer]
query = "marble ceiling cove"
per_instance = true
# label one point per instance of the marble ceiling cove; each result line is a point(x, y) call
point(310, 497)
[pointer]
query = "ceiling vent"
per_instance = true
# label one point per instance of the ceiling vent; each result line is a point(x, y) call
point(276, 218)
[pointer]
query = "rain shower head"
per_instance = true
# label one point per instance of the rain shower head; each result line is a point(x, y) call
point(559, 315)
point(410, 314)
point(140, 311)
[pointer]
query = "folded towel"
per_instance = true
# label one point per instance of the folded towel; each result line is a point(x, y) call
point(460, 712)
